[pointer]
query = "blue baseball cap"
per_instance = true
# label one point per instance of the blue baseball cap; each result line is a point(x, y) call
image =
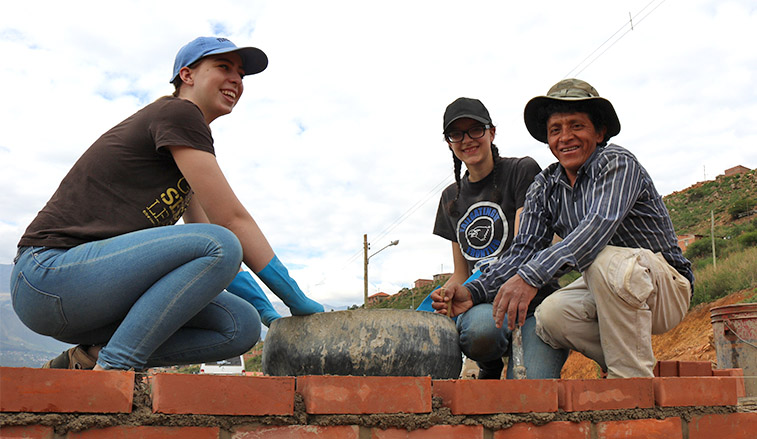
point(254, 60)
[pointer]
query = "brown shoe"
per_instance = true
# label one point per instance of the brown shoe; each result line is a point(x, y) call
point(74, 358)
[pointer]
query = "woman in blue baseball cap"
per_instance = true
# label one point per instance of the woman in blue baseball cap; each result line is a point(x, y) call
point(104, 266)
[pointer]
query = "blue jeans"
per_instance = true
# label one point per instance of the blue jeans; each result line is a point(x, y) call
point(152, 297)
point(480, 340)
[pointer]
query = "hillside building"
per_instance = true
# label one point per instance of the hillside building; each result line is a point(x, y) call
point(736, 170)
point(685, 240)
point(375, 298)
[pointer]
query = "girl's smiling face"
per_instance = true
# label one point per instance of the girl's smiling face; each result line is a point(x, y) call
point(215, 84)
point(475, 153)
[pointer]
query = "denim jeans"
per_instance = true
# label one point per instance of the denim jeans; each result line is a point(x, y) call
point(152, 297)
point(483, 342)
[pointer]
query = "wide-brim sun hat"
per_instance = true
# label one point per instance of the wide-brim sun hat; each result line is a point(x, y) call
point(254, 60)
point(569, 90)
point(466, 107)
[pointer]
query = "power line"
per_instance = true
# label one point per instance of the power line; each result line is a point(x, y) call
point(439, 186)
point(412, 209)
point(629, 25)
point(435, 190)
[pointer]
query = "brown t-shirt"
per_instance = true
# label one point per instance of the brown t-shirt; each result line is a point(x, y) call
point(125, 181)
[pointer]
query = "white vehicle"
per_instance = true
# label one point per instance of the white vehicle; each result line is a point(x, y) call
point(232, 366)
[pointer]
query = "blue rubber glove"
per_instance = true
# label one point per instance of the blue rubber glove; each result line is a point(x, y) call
point(245, 287)
point(276, 277)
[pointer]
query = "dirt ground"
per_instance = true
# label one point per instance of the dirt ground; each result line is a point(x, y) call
point(691, 340)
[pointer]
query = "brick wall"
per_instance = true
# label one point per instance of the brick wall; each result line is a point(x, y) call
point(422, 283)
point(688, 400)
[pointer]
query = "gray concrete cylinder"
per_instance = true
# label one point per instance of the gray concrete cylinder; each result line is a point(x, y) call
point(381, 342)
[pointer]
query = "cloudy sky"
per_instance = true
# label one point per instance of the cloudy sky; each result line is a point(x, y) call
point(341, 135)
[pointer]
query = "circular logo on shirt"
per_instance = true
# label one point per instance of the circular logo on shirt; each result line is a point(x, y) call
point(482, 231)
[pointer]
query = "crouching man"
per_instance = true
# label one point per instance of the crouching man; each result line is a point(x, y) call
point(616, 232)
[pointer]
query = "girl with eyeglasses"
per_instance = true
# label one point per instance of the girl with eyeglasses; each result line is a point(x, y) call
point(479, 215)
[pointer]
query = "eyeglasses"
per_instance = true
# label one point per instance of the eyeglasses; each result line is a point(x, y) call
point(475, 132)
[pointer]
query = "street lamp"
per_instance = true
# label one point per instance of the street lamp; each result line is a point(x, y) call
point(365, 264)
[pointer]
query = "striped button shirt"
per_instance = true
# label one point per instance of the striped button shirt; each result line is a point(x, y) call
point(612, 202)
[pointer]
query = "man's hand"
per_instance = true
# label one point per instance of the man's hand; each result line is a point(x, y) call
point(513, 298)
point(457, 295)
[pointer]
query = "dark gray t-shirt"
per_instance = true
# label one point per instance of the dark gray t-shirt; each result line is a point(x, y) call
point(484, 226)
point(482, 219)
point(126, 181)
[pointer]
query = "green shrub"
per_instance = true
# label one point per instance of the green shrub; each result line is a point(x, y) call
point(752, 298)
point(568, 278)
point(734, 273)
point(190, 369)
point(254, 364)
point(748, 239)
point(741, 206)
point(702, 247)
point(695, 195)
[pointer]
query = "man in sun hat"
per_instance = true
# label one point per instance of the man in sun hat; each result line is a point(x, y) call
point(615, 231)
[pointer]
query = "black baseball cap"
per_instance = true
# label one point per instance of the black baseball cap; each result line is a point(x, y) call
point(466, 107)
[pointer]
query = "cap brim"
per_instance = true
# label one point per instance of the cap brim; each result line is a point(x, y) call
point(469, 116)
point(254, 60)
point(538, 128)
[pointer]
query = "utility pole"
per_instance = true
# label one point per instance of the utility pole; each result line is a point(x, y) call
point(712, 234)
point(365, 269)
point(366, 246)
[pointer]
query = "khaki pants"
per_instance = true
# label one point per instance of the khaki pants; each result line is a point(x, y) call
point(610, 313)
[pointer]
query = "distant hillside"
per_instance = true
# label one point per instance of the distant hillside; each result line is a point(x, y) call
point(5, 278)
point(407, 298)
point(690, 208)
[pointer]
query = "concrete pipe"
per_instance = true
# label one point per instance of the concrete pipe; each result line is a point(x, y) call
point(382, 342)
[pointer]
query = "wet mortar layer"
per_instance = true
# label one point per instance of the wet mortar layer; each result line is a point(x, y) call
point(142, 415)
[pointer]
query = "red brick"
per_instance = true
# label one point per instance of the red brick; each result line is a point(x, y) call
point(361, 395)
point(222, 395)
point(668, 368)
point(471, 397)
point(669, 428)
point(656, 369)
point(435, 432)
point(553, 430)
point(583, 395)
point(298, 432)
point(141, 432)
point(731, 426)
point(735, 374)
point(65, 391)
point(694, 368)
point(27, 432)
point(689, 391)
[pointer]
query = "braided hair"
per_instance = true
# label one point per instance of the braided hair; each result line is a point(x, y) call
point(496, 196)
